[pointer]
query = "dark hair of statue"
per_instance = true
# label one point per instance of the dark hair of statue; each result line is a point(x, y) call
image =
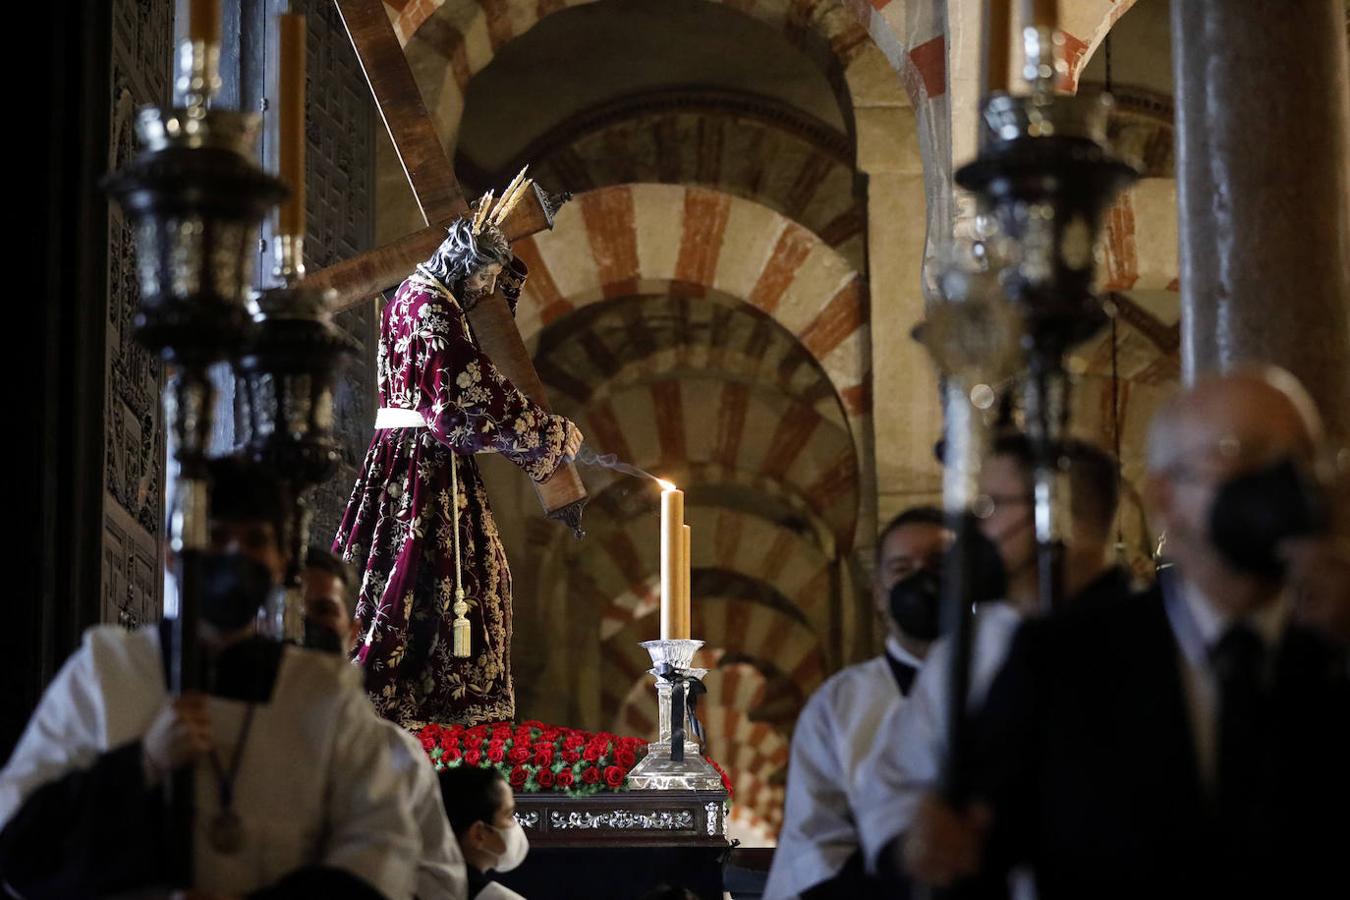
point(462, 253)
point(471, 795)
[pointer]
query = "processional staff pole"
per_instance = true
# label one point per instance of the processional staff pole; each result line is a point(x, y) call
point(1043, 179)
point(195, 199)
point(1045, 175)
point(972, 336)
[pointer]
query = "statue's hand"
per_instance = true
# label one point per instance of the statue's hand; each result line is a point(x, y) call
point(573, 442)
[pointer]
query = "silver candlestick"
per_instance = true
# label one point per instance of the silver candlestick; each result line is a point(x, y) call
point(657, 771)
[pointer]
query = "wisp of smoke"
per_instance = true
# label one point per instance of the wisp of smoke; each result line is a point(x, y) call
point(587, 456)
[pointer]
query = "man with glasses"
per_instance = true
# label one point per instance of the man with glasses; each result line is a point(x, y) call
point(1007, 518)
point(1191, 742)
point(909, 750)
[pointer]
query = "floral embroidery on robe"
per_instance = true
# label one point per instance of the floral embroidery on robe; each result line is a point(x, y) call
point(397, 529)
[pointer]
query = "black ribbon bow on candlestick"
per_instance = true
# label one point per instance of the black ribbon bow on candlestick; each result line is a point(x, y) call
point(677, 707)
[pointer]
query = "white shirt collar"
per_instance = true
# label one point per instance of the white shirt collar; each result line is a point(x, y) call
point(1268, 621)
point(897, 652)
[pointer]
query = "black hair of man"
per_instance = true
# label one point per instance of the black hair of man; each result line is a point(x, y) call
point(1094, 477)
point(471, 795)
point(246, 491)
point(321, 559)
point(915, 515)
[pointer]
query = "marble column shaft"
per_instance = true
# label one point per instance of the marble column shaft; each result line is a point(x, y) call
point(1263, 182)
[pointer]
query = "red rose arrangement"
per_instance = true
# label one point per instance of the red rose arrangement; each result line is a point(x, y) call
point(534, 757)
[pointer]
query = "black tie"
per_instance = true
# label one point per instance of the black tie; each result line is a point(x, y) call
point(1239, 664)
point(903, 673)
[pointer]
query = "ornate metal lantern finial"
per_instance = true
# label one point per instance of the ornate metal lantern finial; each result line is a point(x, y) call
point(1046, 174)
point(289, 365)
point(194, 198)
point(287, 369)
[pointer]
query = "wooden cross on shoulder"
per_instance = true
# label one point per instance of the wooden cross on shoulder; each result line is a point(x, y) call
point(441, 201)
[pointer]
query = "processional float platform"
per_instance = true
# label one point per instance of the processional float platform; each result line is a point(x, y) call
point(620, 846)
point(626, 819)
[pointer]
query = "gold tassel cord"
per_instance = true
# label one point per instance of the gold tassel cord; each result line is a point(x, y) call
point(460, 628)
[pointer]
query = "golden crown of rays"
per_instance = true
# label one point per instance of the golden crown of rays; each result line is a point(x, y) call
point(489, 214)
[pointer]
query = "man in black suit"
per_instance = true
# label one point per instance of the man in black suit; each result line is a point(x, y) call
point(1190, 742)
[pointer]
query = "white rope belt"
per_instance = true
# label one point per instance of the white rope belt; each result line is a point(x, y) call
point(389, 417)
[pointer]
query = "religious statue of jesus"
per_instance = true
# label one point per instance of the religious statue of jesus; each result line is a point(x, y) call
point(418, 525)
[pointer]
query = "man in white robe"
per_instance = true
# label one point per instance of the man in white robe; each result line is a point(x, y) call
point(818, 845)
point(330, 604)
point(293, 788)
point(908, 755)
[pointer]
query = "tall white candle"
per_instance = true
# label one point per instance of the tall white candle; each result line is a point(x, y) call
point(673, 567)
point(686, 607)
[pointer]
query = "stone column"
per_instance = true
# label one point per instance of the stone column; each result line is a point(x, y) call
point(1261, 114)
point(896, 451)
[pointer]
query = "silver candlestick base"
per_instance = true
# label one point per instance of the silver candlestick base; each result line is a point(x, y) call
point(657, 771)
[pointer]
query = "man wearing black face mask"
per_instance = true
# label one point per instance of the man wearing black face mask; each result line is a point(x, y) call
point(293, 791)
point(1191, 742)
point(818, 846)
point(329, 587)
point(911, 747)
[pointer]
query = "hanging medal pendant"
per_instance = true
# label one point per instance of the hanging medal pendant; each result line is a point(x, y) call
point(227, 832)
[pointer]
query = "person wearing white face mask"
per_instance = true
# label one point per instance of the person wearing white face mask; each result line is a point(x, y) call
point(481, 808)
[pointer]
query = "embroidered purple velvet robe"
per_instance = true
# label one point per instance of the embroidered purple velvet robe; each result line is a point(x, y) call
point(397, 529)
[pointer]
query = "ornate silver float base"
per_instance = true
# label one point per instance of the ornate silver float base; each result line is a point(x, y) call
point(624, 819)
point(657, 771)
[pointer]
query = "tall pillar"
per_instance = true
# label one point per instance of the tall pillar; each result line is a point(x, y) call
point(1263, 181)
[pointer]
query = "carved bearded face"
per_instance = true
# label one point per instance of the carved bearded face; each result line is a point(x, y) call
point(467, 263)
point(481, 282)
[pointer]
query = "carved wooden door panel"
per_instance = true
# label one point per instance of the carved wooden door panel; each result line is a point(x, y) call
point(133, 452)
